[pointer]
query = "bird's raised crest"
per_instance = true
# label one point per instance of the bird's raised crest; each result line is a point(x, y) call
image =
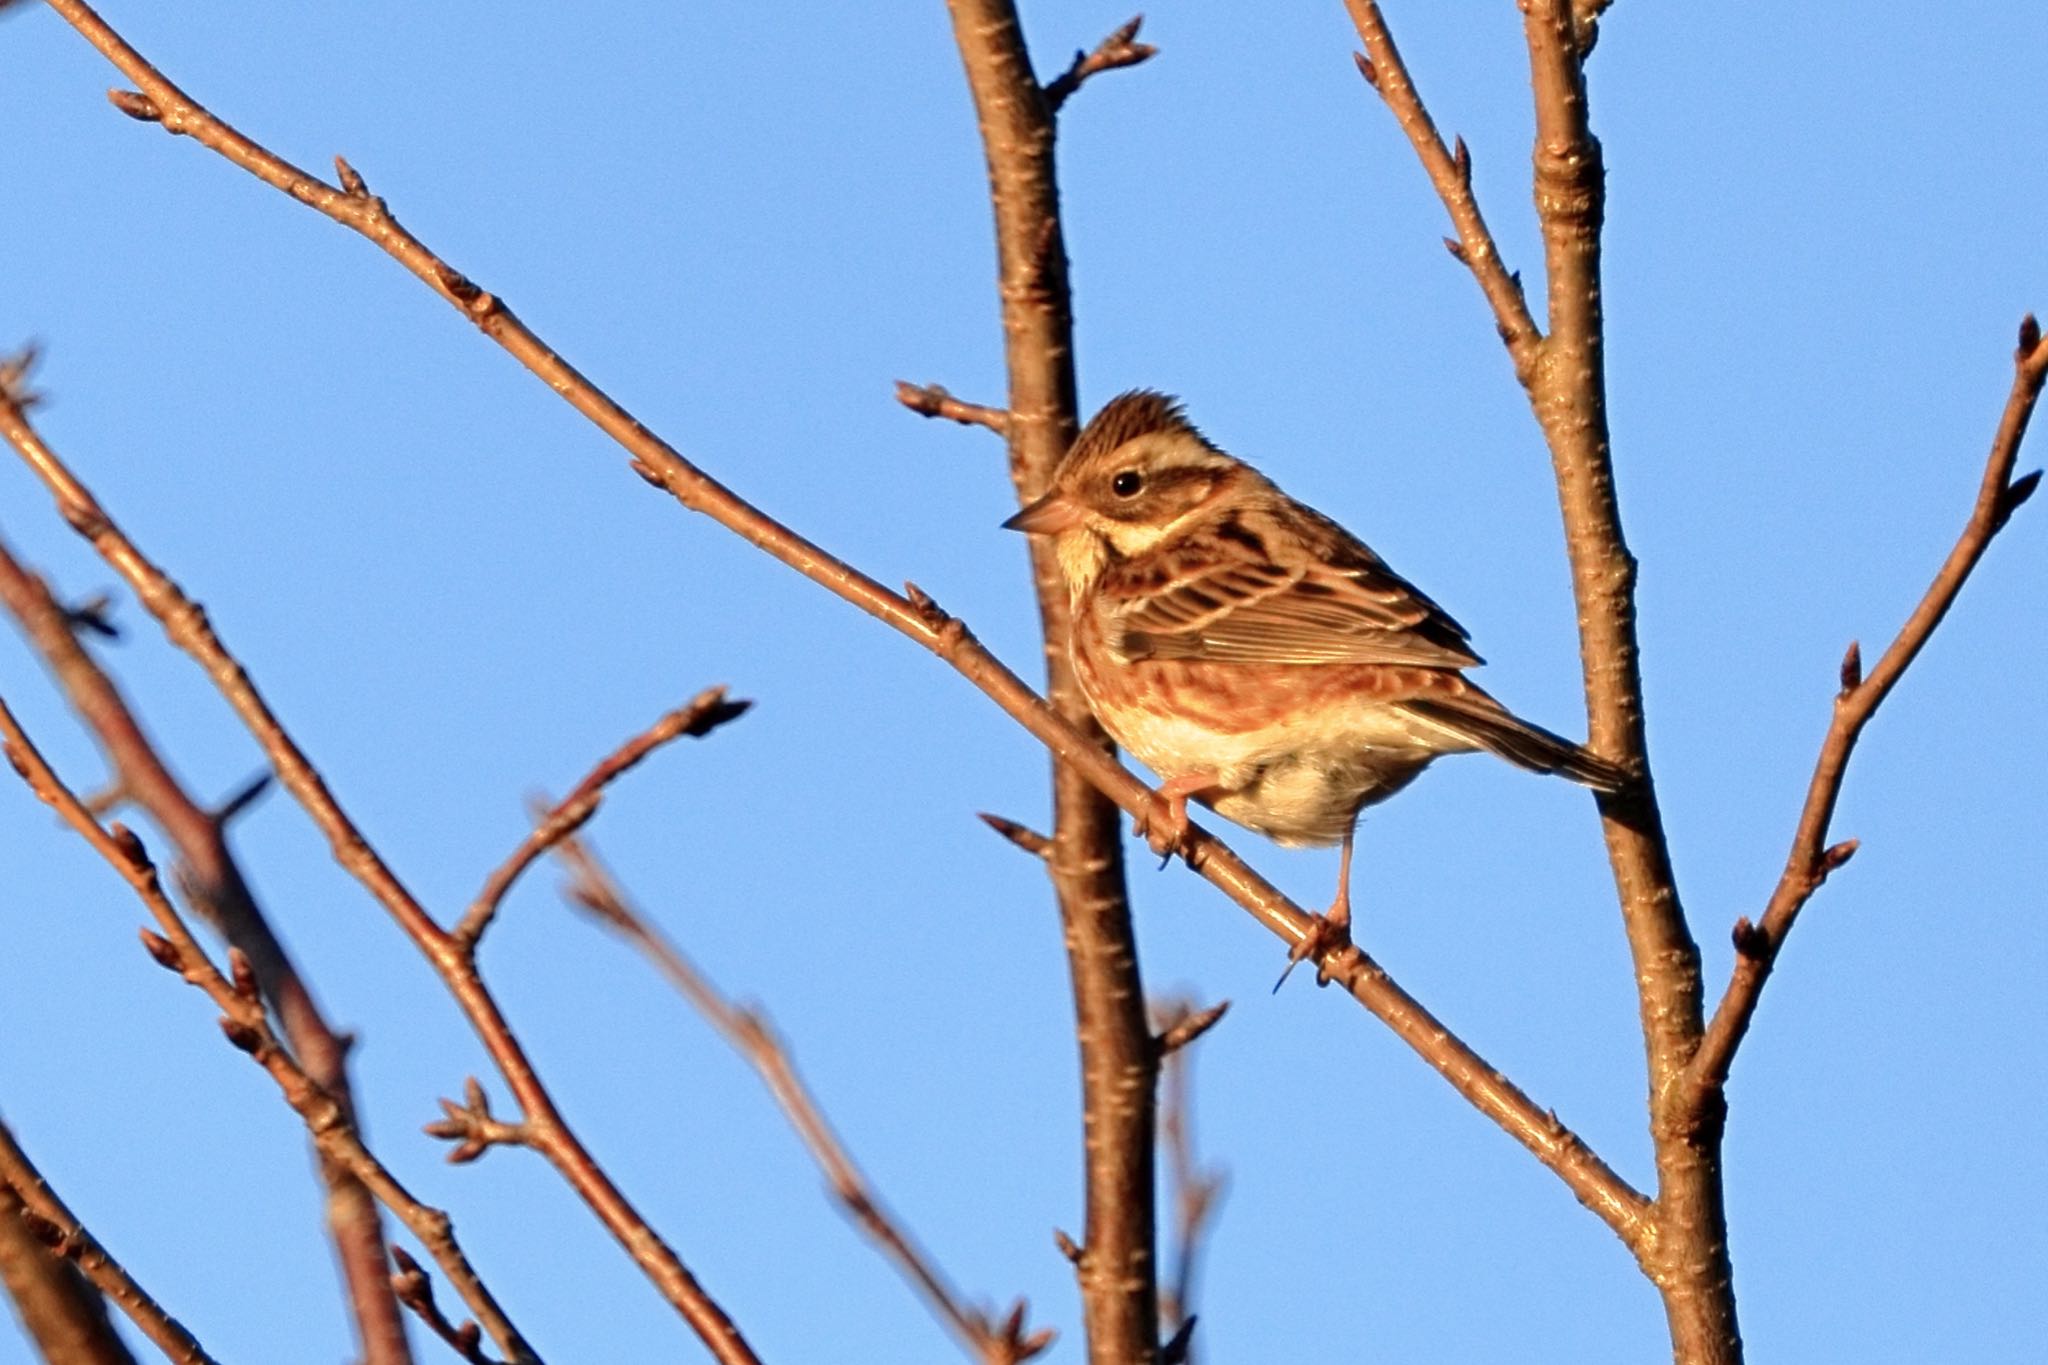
point(1140, 412)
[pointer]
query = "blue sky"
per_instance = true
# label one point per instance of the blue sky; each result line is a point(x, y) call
point(745, 222)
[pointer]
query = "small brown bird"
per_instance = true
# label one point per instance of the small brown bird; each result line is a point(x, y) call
point(1252, 652)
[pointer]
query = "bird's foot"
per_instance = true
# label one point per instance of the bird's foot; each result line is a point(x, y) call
point(1165, 826)
point(1328, 934)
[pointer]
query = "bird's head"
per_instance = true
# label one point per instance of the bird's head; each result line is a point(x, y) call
point(1138, 473)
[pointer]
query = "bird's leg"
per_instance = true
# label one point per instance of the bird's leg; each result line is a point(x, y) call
point(1165, 826)
point(1332, 928)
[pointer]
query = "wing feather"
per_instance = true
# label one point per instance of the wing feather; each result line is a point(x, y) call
point(1275, 587)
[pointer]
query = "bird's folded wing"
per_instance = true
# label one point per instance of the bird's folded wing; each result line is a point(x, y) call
point(1218, 597)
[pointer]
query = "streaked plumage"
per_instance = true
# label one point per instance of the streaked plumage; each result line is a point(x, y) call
point(1251, 651)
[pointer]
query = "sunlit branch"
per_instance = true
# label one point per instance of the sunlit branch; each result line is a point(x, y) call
point(247, 1027)
point(1538, 1129)
point(593, 889)
point(62, 1236)
point(216, 887)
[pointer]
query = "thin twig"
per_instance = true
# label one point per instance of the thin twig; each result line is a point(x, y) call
point(1120, 48)
point(930, 400)
point(64, 1237)
point(1197, 1189)
point(247, 1027)
point(186, 625)
point(216, 886)
point(1185, 1024)
point(62, 1315)
point(1023, 836)
point(245, 796)
point(415, 1289)
point(1451, 173)
point(473, 1128)
point(696, 718)
point(1078, 749)
point(594, 889)
point(1811, 858)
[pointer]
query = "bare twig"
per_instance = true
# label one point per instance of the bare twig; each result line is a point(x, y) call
point(1811, 858)
point(1451, 173)
point(1120, 48)
point(215, 884)
point(593, 889)
point(929, 400)
point(1179, 1348)
point(696, 718)
point(95, 616)
point(1078, 748)
point(246, 1026)
point(58, 1232)
point(1197, 1189)
point(472, 1127)
point(1184, 1023)
point(1023, 836)
point(62, 1314)
point(245, 796)
point(186, 625)
point(415, 1289)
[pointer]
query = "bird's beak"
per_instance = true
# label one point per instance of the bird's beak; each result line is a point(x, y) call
point(1051, 514)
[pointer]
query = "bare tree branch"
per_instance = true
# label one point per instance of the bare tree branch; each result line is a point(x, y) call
point(218, 889)
point(1680, 1240)
point(698, 717)
point(1568, 392)
point(1589, 1178)
point(1118, 1268)
point(547, 1132)
point(62, 1315)
point(1023, 836)
point(49, 1223)
point(1811, 858)
point(1197, 1189)
point(415, 1289)
point(1119, 49)
point(1685, 1252)
point(593, 889)
point(930, 400)
point(1182, 1024)
point(246, 1026)
point(1451, 173)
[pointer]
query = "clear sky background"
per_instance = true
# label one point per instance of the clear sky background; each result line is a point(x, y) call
point(745, 221)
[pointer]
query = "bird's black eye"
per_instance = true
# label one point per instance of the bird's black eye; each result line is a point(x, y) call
point(1127, 483)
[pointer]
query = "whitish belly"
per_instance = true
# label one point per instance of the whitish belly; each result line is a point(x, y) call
point(1295, 782)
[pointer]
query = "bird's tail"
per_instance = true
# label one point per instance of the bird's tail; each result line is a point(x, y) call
point(1485, 724)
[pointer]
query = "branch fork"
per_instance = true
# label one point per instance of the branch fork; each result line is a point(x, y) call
point(472, 1127)
point(1119, 49)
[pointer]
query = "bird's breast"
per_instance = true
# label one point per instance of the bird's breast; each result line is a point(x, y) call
point(1295, 750)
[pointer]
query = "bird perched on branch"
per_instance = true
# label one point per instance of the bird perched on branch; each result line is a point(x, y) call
point(1252, 652)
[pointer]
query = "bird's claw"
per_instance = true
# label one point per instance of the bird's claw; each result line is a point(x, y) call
point(1164, 825)
point(1164, 828)
point(1328, 935)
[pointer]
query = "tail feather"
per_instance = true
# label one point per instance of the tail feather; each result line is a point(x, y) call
point(1488, 725)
